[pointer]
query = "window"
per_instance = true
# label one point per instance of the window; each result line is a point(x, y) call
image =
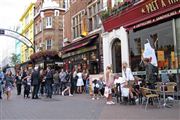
point(56, 13)
point(73, 1)
point(36, 29)
point(40, 26)
point(26, 54)
point(49, 44)
point(49, 22)
point(161, 40)
point(93, 17)
point(27, 19)
point(27, 34)
point(138, 46)
point(77, 21)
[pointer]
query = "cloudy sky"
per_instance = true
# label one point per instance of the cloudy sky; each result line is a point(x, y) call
point(10, 13)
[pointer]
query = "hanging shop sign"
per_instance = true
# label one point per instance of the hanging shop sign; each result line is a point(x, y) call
point(143, 13)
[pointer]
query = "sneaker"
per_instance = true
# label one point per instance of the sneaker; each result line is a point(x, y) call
point(70, 95)
point(97, 98)
point(112, 102)
point(62, 93)
point(108, 103)
point(93, 98)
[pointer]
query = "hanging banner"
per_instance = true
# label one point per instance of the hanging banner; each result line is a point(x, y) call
point(150, 53)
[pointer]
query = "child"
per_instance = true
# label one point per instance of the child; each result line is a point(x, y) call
point(102, 85)
point(95, 86)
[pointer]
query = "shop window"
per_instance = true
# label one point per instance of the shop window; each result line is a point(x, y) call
point(160, 38)
point(138, 46)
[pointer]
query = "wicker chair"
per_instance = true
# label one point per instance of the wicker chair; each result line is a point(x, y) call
point(149, 94)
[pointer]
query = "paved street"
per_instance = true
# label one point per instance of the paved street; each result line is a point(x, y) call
point(79, 107)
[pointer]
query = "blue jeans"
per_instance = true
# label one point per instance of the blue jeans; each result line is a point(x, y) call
point(56, 88)
point(87, 87)
point(49, 90)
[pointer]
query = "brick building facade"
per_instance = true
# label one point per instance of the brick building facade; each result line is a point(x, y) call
point(48, 31)
point(82, 42)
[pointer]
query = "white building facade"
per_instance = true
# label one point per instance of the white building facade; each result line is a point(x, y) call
point(110, 53)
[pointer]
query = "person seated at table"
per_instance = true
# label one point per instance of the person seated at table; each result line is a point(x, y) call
point(126, 90)
point(128, 76)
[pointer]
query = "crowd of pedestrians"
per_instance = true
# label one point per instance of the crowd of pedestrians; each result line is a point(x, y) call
point(39, 82)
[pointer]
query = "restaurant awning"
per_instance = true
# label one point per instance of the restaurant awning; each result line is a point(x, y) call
point(80, 43)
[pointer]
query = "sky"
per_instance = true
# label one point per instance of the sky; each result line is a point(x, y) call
point(10, 13)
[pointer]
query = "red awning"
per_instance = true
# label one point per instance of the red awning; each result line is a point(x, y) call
point(75, 47)
point(80, 43)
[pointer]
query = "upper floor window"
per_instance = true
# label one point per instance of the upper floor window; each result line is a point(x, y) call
point(93, 17)
point(49, 22)
point(56, 13)
point(77, 24)
point(27, 34)
point(36, 29)
point(73, 1)
point(27, 19)
point(48, 44)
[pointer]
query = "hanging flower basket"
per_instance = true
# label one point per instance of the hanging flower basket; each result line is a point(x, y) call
point(42, 54)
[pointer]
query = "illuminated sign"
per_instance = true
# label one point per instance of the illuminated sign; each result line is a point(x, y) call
point(16, 35)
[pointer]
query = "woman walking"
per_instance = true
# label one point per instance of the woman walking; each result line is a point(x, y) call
point(109, 84)
point(8, 84)
point(68, 84)
point(80, 82)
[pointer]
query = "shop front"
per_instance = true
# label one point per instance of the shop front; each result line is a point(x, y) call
point(82, 54)
point(152, 21)
point(46, 58)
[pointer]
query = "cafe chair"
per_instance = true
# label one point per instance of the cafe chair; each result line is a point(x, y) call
point(149, 94)
point(171, 89)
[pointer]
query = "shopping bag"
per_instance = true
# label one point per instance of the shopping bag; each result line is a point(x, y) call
point(106, 92)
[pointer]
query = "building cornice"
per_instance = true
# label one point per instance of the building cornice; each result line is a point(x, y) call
point(48, 8)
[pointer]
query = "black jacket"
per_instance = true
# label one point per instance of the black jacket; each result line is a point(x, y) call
point(35, 78)
point(49, 78)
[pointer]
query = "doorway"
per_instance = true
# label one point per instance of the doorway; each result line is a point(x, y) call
point(116, 56)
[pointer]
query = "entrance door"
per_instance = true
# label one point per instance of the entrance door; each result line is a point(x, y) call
point(116, 56)
point(93, 67)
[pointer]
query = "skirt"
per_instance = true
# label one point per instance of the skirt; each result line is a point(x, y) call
point(80, 82)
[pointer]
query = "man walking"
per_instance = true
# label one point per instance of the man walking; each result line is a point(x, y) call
point(35, 81)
